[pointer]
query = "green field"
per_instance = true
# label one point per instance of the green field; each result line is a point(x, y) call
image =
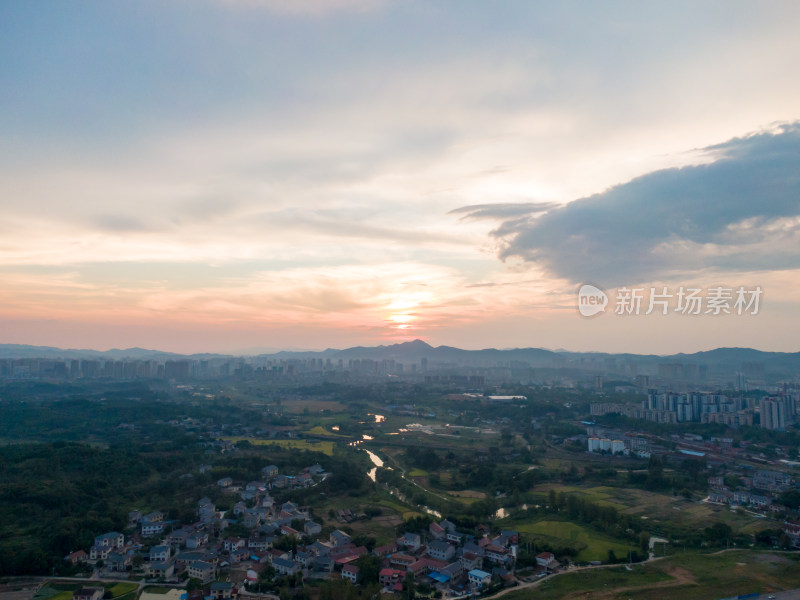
point(594, 583)
point(402, 510)
point(320, 431)
point(661, 510)
point(464, 499)
point(323, 446)
point(123, 590)
point(689, 576)
point(590, 545)
point(58, 590)
point(418, 473)
point(602, 495)
point(57, 596)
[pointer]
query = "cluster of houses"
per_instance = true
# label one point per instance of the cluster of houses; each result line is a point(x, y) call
point(451, 561)
point(193, 550)
point(792, 530)
point(273, 479)
point(757, 491)
point(454, 562)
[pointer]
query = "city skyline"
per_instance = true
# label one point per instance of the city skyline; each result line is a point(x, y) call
point(251, 174)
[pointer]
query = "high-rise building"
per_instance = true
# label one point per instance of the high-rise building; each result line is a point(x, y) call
point(774, 413)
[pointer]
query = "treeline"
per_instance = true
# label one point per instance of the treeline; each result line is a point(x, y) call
point(687, 476)
point(599, 516)
point(88, 419)
point(56, 497)
point(114, 413)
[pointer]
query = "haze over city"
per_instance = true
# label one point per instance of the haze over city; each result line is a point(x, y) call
point(225, 175)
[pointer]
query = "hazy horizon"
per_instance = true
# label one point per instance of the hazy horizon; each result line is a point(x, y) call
point(230, 174)
point(255, 351)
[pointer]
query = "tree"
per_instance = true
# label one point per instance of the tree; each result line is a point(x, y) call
point(785, 542)
point(369, 567)
point(410, 586)
point(286, 542)
point(732, 481)
point(644, 541)
point(718, 532)
point(765, 536)
point(267, 573)
point(790, 499)
point(193, 584)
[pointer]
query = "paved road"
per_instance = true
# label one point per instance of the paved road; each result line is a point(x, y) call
point(787, 595)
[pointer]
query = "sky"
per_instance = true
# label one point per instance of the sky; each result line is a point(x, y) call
point(244, 175)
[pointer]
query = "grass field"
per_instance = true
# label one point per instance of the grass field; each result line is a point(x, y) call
point(123, 589)
point(589, 544)
point(465, 499)
point(383, 528)
point(320, 431)
point(418, 473)
point(323, 446)
point(299, 406)
point(53, 595)
point(662, 509)
point(603, 495)
point(64, 590)
point(403, 511)
point(57, 591)
point(681, 577)
point(594, 583)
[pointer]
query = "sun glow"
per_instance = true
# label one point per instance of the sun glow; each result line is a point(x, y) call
point(402, 311)
point(402, 320)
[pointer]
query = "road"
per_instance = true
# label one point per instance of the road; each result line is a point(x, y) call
point(787, 595)
point(784, 595)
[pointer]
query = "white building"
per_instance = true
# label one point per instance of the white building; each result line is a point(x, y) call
point(350, 572)
point(478, 578)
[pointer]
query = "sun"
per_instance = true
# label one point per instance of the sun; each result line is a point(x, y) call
point(402, 320)
point(403, 310)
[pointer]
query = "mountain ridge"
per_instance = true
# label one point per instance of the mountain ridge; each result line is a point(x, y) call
point(416, 350)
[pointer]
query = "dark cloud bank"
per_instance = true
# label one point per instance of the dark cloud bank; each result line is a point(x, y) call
point(740, 212)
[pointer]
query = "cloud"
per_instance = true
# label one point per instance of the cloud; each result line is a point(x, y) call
point(502, 210)
point(739, 212)
point(311, 8)
point(119, 223)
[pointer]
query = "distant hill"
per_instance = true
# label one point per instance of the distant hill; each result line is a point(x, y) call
point(25, 351)
point(738, 356)
point(416, 350)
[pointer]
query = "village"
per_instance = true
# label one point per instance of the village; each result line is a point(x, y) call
point(285, 541)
